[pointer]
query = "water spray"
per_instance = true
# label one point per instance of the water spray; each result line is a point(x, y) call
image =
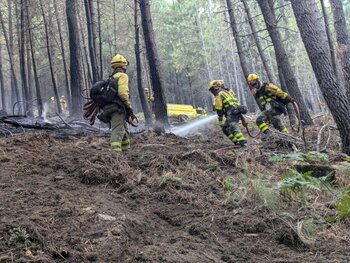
point(192, 126)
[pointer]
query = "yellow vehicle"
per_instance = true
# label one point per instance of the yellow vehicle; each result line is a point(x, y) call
point(187, 110)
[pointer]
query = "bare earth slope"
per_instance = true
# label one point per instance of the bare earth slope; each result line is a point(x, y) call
point(162, 202)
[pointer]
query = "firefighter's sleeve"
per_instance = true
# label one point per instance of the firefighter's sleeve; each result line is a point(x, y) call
point(278, 92)
point(123, 89)
point(219, 108)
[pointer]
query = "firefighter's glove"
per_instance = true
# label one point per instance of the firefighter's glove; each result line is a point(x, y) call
point(290, 99)
point(268, 107)
point(221, 123)
point(243, 109)
point(133, 121)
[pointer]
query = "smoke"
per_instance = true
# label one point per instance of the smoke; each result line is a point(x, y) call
point(45, 111)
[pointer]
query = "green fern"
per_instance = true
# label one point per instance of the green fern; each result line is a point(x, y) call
point(342, 205)
point(294, 184)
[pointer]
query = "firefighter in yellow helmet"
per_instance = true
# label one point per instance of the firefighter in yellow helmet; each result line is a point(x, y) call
point(120, 113)
point(150, 99)
point(272, 103)
point(227, 105)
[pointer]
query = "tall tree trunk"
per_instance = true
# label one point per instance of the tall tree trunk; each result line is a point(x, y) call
point(2, 87)
point(257, 42)
point(22, 55)
point(63, 54)
point(114, 27)
point(329, 37)
point(10, 54)
point(35, 71)
point(143, 99)
point(52, 72)
point(313, 37)
point(343, 41)
point(282, 58)
point(100, 36)
point(89, 10)
point(154, 65)
point(242, 54)
point(75, 72)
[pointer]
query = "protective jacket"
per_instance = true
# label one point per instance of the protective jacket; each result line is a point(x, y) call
point(224, 102)
point(123, 88)
point(277, 99)
point(269, 93)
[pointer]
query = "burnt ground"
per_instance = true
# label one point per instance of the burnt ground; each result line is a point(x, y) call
point(164, 201)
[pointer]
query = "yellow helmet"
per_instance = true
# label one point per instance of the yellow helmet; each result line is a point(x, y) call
point(119, 61)
point(252, 77)
point(216, 83)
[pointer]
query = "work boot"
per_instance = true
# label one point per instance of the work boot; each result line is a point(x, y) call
point(268, 133)
point(243, 144)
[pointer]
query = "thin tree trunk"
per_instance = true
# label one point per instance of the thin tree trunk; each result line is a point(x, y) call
point(154, 65)
point(329, 37)
point(63, 54)
point(36, 78)
point(91, 38)
point(313, 36)
point(52, 72)
point(257, 42)
point(343, 41)
point(2, 87)
point(22, 61)
point(282, 59)
point(143, 99)
point(100, 36)
point(75, 72)
point(114, 26)
point(10, 54)
point(242, 54)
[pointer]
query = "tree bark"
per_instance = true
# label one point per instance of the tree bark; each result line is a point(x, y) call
point(143, 99)
point(329, 37)
point(282, 58)
point(52, 72)
point(154, 65)
point(343, 41)
point(75, 72)
point(63, 54)
point(90, 16)
point(10, 54)
point(100, 37)
point(313, 36)
point(36, 78)
point(22, 55)
point(2, 87)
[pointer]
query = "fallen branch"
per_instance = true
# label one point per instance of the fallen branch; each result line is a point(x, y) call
point(29, 126)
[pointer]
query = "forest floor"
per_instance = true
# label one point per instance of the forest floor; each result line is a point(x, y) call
point(169, 199)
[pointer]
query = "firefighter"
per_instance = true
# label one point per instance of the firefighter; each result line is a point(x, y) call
point(120, 135)
point(272, 103)
point(150, 99)
point(64, 105)
point(227, 105)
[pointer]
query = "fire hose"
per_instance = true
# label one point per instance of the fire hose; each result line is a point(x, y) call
point(295, 129)
point(245, 124)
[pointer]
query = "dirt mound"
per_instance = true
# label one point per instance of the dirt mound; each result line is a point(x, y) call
point(71, 200)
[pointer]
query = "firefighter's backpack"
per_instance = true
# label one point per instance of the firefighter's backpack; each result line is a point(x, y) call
point(105, 92)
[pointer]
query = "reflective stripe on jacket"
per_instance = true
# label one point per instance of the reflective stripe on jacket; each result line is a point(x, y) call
point(269, 92)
